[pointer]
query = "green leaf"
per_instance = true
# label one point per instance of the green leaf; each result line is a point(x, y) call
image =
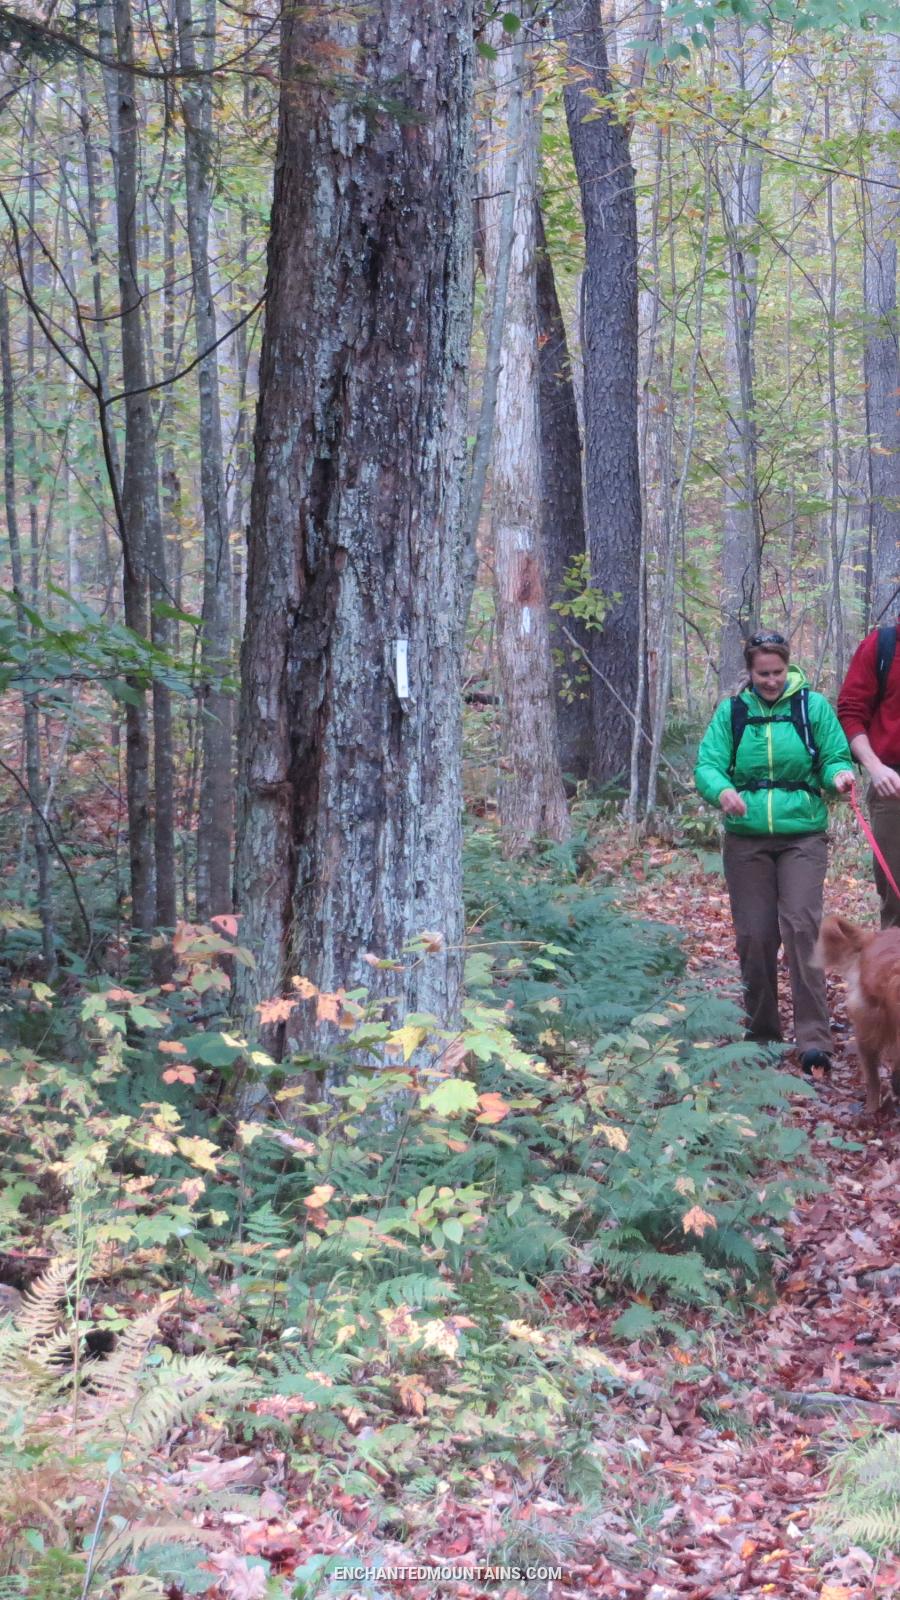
point(143, 1017)
point(213, 1049)
point(452, 1096)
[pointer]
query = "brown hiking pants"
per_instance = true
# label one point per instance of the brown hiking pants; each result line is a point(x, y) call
point(884, 815)
point(775, 887)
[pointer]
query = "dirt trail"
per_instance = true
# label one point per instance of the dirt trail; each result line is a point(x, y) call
point(742, 1453)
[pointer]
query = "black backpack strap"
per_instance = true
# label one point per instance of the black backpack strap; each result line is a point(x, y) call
point(740, 716)
point(884, 655)
point(801, 720)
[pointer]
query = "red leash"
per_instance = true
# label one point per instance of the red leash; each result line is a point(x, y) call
point(871, 839)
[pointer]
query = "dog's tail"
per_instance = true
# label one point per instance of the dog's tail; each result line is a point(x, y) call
point(840, 943)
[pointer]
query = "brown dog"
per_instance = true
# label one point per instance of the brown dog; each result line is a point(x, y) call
point(870, 963)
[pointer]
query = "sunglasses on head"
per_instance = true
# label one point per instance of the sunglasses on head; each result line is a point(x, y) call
point(765, 638)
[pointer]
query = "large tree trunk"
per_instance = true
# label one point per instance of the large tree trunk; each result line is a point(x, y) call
point(747, 58)
point(214, 825)
point(562, 518)
point(882, 357)
point(349, 790)
point(609, 342)
point(532, 800)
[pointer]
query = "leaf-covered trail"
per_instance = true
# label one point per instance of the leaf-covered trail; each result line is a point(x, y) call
point(740, 1451)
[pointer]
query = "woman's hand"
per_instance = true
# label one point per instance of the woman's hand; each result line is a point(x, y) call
point(843, 782)
point(731, 803)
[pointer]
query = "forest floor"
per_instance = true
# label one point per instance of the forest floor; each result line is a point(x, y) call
point(738, 1453)
point(714, 1445)
point(716, 1456)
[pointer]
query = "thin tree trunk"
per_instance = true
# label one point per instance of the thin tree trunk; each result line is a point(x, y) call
point(499, 282)
point(834, 454)
point(349, 837)
point(562, 519)
point(747, 58)
point(599, 138)
point(882, 353)
point(214, 895)
point(666, 615)
point(139, 488)
point(31, 728)
point(532, 800)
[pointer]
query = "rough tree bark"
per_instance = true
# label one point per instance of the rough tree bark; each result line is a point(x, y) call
point(349, 772)
point(747, 61)
point(562, 515)
point(882, 356)
point(216, 789)
point(599, 137)
point(532, 799)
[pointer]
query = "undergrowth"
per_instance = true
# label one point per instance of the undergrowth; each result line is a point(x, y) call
point(384, 1285)
point(862, 1504)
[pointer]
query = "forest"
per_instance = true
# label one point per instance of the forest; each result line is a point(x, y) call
point(410, 410)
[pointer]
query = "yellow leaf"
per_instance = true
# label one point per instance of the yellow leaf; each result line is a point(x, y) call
point(616, 1137)
point(320, 1196)
point(200, 1152)
point(521, 1330)
point(407, 1039)
point(304, 988)
point(835, 1591)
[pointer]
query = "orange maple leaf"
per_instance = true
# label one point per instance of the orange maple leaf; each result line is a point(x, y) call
point(493, 1108)
point(184, 1073)
point(697, 1221)
point(275, 1010)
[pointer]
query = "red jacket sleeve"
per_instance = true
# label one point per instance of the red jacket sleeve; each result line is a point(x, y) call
point(858, 696)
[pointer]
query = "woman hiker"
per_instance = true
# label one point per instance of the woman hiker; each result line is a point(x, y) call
point(764, 760)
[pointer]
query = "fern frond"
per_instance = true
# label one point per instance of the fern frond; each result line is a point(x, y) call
point(125, 1544)
point(142, 1586)
point(177, 1392)
point(415, 1289)
point(39, 1315)
point(115, 1380)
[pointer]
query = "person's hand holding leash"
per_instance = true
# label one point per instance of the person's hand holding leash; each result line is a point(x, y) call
point(844, 782)
point(732, 804)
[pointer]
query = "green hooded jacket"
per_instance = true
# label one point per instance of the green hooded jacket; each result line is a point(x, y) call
point(774, 751)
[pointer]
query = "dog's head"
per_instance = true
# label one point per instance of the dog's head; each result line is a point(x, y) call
point(841, 943)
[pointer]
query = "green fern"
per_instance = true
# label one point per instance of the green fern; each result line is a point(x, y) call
point(862, 1503)
point(414, 1289)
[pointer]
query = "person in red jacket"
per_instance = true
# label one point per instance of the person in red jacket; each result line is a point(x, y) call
point(869, 711)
